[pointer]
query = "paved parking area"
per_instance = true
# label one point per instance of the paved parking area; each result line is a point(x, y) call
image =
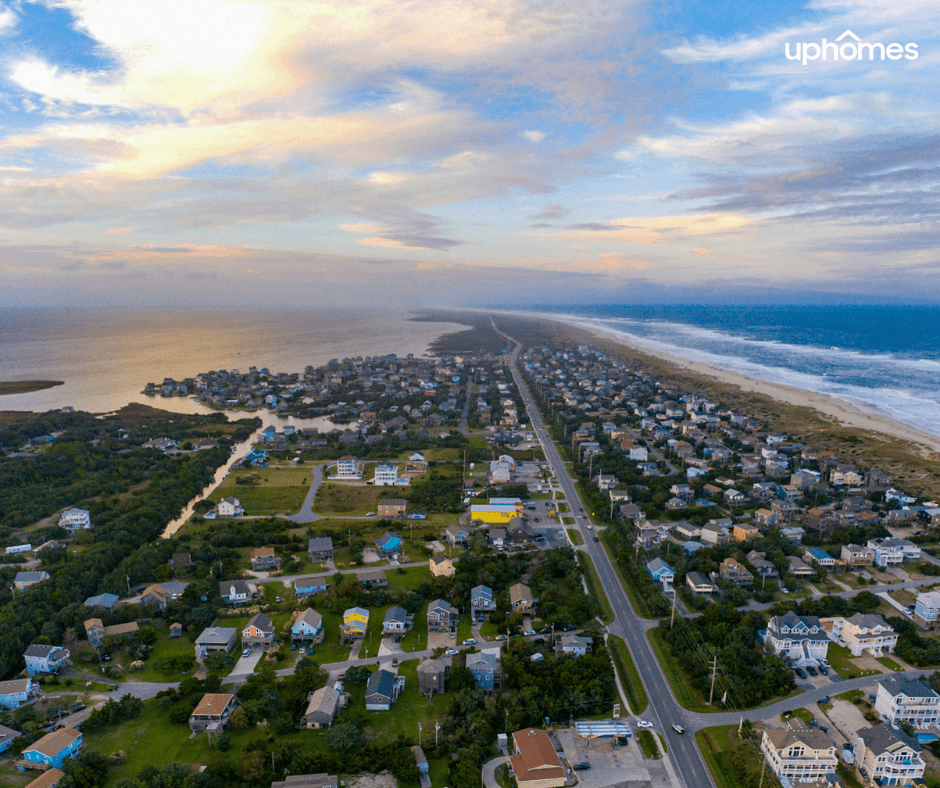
point(609, 766)
point(246, 665)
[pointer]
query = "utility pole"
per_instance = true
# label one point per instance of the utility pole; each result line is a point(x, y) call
point(672, 619)
point(711, 692)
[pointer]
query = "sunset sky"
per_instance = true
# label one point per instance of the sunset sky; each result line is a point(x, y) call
point(464, 152)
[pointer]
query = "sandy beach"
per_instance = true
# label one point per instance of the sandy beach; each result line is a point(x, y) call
point(844, 412)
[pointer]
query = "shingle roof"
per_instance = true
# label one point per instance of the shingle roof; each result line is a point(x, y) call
point(53, 743)
point(881, 737)
point(212, 703)
point(898, 685)
point(39, 650)
point(382, 682)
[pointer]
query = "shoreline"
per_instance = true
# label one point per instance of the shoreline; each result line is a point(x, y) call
point(843, 411)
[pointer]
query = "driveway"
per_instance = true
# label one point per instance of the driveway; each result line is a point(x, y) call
point(247, 665)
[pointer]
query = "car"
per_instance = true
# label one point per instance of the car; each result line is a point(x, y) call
point(78, 707)
point(538, 640)
point(581, 767)
point(246, 652)
point(811, 670)
point(370, 514)
point(569, 628)
point(800, 672)
point(293, 646)
point(501, 637)
point(644, 724)
point(278, 599)
point(825, 662)
point(590, 527)
point(453, 635)
point(451, 652)
point(394, 662)
point(678, 728)
point(545, 630)
point(784, 590)
point(824, 729)
point(596, 539)
point(470, 642)
point(302, 650)
point(529, 632)
point(824, 670)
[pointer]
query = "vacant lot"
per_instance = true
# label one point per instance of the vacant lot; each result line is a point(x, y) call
point(346, 499)
point(267, 491)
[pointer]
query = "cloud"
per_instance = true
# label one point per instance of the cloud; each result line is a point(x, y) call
point(702, 251)
point(8, 21)
point(551, 213)
point(652, 230)
point(533, 136)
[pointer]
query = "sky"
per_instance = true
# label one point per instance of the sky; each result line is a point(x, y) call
point(466, 152)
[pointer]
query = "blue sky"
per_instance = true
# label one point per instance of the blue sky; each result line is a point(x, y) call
point(221, 151)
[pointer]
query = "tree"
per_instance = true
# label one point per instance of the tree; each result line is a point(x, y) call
point(344, 736)
point(239, 719)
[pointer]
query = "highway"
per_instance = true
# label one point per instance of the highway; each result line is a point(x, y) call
point(663, 711)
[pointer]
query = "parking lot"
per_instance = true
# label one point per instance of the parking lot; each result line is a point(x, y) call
point(609, 766)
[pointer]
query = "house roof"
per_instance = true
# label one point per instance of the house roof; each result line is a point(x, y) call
point(371, 576)
point(441, 607)
point(813, 739)
point(311, 617)
point(48, 779)
point(883, 737)
point(40, 650)
point(388, 538)
point(262, 552)
point(911, 688)
point(102, 600)
point(382, 682)
point(536, 759)
point(15, 686)
point(396, 614)
point(216, 636)
point(53, 743)
point(240, 587)
point(307, 781)
point(356, 611)
point(320, 543)
point(434, 665)
point(213, 704)
point(393, 502)
point(30, 577)
point(324, 700)
point(7, 734)
point(487, 659)
point(481, 591)
point(520, 592)
point(261, 621)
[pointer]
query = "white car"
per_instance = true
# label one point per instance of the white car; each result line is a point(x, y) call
point(370, 514)
point(644, 724)
point(470, 642)
point(246, 652)
point(451, 652)
point(678, 728)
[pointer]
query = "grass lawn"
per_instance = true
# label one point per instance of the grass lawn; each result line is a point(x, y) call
point(841, 660)
point(165, 647)
point(686, 695)
point(889, 663)
point(802, 714)
point(594, 587)
point(489, 629)
point(648, 744)
point(279, 490)
point(417, 638)
point(575, 536)
point(562, 507)
point(904, 597)
point(464, 628)
point(852, 696)
point(331, 650)
point(716, 745)
point(347, 499)
point(629, 677)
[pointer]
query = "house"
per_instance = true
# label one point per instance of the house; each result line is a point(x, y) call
point(662, 573)
point(900, 699)
point(397, 621)
point(457, 535)
point(264, 559)
point(320, 548)
point(856, 556)
point(307, 627)
point(744, 532)
point(307, 586)
point(520, 597)
point(235, 592)
point(733, 571)
point(536, 764)
point(482, 602)
point(800, 639)
point(700, 584)
point(766, 517)
point(421, 762)
point(181, 562)
point(386, 474)
point(176, 630)
point(42, 660)
point(322, 707)
point(73, 520)
point(862, 634)
point(52, 750)
point(7, 735)
point(97, 633)
point(16, 692)
point(392, 507)
point(259, 631)
point(442, 616)
point(24, 580)
point(213, 712)
point(794, 533)
point(799, 754)
point(799, 568)
point(307, 781)
point(383, 689)
point(106, 601)
point(762, 566)
point(686, 530)
point(440, 566)
point(889, 552)
point(496, 537)
point(820, 557)
point(48, 779)
point(373, 578)
point(433, 675)
point(486, 667)
point(574, 644)
point(888, 756)
point(714, 534)
point(213, 639)
point(734, 497)
point(927, 606)
point(159, 595)
point(229, 507)
point(348, 468)
point(355, 621)
point(388, 544)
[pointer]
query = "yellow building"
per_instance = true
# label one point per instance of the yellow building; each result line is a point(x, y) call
point(440, 566)
point(500, 513)
point(355, 621)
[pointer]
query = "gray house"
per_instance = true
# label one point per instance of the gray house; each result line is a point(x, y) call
point(322, 707)
point(442, 616)
point(320, 548)
point(214, 639)
point(383, 690)
point(433, 675)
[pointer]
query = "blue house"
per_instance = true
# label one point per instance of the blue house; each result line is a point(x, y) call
point(308, 627)
point(662, 573)
point(53, 748)
point(388, 543)
point(15, 693)
point(305, 586)
point(7, 735)
point(256, 457)
point(43, 659)
point(486, 668)
point(107, 601)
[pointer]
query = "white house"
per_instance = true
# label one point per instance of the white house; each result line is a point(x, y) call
point(229, 507)
point(74, 519)
point(888, 756)
point(862, 634)
point(890, 552)
point(386, 474)
point(927, 606)
point(348, 468)
point(800, 639)
point(906, 700)
point(796, 754)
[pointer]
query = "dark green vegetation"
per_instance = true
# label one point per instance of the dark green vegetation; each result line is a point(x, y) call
point(131, 493)
point(629, 677)
point(26, 386)
point(479, 337)
point(734, 759)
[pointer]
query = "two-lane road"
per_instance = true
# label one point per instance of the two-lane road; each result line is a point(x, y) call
point(663, 709)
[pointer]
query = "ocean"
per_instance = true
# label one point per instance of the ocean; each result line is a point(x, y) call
point(882, 358)
point(106, 358)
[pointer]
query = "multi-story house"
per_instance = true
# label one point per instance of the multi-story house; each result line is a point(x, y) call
point(16, 692)
point(801, 639)
point(486, 667)
point(348, 468)
point(927, 606)
point(520, 597)
point(442, 616)
point(890, 551)
point(762, 566)
point(52, 750)
point(798, 754)
point(457, 535)
point(888, 756)
point(355, 622)
point(862, 634)
point(536, 764)
point(213, 711)
point(235, 592)
point(73, 520)
point(574, 644)
point(900, 700)
point(662, 573)
point(229, 507)
point(24, 580)
point(440, 566)
point(383, 689)
point(700, 584)
point(819, 557)
point(42, 659)
point(264, 559)
point(433, 675)
point(733, 571)
point(320, 548)
point(159, 595)
point(856, 556)
point(259, 631)
point(392, 507)
point(213, 639)
point(482, 602)
point(397, 621)
point(386, 474)
point(322, 707)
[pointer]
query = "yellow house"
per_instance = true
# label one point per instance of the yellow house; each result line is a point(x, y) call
point(355, 621)
point(440, 566)
point(500, 513)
